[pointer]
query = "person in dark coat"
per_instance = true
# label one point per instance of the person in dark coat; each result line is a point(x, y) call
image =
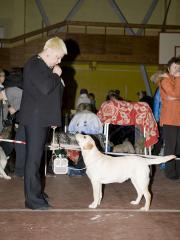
point(40, 109)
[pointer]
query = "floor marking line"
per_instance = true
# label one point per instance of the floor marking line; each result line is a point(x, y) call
point(90, 210)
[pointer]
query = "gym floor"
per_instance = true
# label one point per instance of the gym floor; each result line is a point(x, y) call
point(70, 217)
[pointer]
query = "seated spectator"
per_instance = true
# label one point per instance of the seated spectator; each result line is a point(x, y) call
point(83, 98)
point(93, 102)
point(85, 121)
point(143, 97)
point(117, 91)
point(112, 95)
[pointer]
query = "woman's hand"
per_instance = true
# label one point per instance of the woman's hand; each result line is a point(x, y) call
point(11, 110)
point(57, 70)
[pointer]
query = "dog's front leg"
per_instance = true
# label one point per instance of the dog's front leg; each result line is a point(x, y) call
point(96, 194)
point(3, 174)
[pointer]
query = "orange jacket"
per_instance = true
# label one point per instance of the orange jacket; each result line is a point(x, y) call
point(170, 95)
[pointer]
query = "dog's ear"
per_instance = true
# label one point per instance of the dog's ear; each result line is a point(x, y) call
point(88, 146)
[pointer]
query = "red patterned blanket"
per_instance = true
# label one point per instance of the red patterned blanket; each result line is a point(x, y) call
point(131, 113)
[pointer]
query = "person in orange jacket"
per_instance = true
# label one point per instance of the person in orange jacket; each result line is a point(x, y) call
point(170, 115)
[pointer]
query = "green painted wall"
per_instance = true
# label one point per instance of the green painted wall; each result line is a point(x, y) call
point(126, 78)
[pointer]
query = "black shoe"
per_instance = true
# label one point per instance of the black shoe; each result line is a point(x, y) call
point(45, 196)
point(48, 207)
point(43, 207)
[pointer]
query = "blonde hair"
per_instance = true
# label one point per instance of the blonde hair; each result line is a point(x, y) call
point(56, 43)
point(157, 76)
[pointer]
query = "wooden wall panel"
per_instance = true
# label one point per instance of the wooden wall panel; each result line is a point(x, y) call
point(92, 47)
point(4, 58)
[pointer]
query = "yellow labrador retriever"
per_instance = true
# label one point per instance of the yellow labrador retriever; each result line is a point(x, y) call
point(104, 169)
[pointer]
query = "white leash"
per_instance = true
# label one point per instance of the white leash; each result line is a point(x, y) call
point(135, 154)
point(12, 141)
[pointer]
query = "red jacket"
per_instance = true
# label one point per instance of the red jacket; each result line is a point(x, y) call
point(170, 95)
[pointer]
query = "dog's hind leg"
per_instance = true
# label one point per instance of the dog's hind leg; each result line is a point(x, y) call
point(97, 188)
point(139, 193)
point(147, 196)
point(100, 194)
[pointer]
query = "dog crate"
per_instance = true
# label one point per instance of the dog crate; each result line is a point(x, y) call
point(138, 141)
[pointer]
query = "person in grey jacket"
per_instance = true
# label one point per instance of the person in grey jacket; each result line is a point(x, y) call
point(14, 96)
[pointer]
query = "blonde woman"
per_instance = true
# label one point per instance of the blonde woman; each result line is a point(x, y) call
point(40, 109)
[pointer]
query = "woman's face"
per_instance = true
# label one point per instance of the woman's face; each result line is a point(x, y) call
point(54, 57)
point(174, 69)
point(2, 77)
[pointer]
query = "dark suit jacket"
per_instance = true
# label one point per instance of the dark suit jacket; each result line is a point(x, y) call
point(42, 94)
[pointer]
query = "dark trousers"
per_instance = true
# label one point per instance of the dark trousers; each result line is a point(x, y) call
point(35, 136)
point(157, 147)
point(20, 151)
point(172, 146)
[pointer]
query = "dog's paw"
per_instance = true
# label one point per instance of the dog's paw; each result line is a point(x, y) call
point(145, 209)
point(134, 202)
point(93, 205)
point(8, 177)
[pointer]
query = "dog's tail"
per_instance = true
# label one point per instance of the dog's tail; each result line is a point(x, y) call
point(159, 160)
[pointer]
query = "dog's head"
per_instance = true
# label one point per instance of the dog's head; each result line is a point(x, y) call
point(85, 141)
